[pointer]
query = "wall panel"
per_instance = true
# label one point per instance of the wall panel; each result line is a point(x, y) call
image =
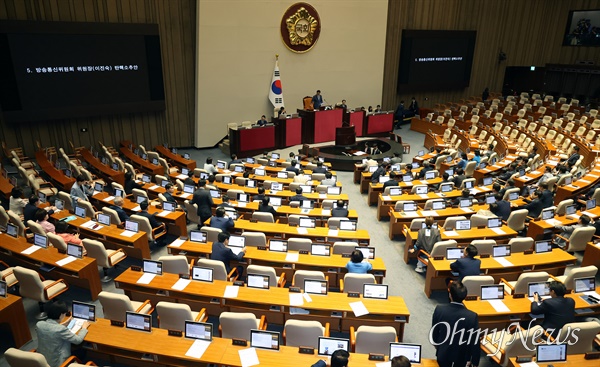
point(529, 32)
point(177, 26)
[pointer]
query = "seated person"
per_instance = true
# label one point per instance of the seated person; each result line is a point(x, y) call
point(32, 207)
point(169, 191)
point(151, 217)
point(16, 202)
point(219, 220)
point(320, 168)
point(357, 263)
point(234, 160)
point(465, 194)
point(69, 236)
point(264, 207)
point(118, 207)
point(400, 361)
point(445, 179)
point(298, 196)
point(477, 157)
point(210, 184)
point(426, 168)
point(221, 252)
point(292, 167)
point(263, 121)
point(209, 167)
point(328, 181)
point(462, 161)
point(301, 177)
point(557, 310)
point(397, 158)
point(261, 194)
point(567, 231)
point(510, 184)
point(380, 171)
point(534, 206)
point(291, 157)
point(467, 265)
point(339, 358)
point(393, 181)
point(225, 202)
point(130, 183)
point(370, 162)
point(41, 217)
point(339, 210)
point(459, 177)
point(501, 208)
point(426, 238)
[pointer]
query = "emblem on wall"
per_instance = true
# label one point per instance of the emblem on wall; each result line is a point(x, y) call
point(300, 27)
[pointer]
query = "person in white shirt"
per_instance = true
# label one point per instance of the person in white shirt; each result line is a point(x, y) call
point(209, 167)
point(17, 203)
point(301, 178)
point(328, 181)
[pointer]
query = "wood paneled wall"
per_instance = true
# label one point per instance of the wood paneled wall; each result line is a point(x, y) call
point(530, 32)
point(177, 26)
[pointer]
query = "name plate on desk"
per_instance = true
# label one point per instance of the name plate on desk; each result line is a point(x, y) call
point(354, 294)
point(177, 333)
point(239, 283)
point(592, 355)
point(295, 289)
point(519, 295)
point(376, 357)
point(306, 350)
point(117, 323)
point(136, 268)
point(240, 342)
point(262, 248)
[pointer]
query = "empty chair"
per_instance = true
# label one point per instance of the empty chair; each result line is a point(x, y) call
point(238, 324)
point(470, 168)
point(16, 220)
point(399, 206)
point(570, 116)
point(263, 217)
point(473, 283)
point(590, 136)
point(89, 209)
point(484, 246)
point(450, 222)
point(294, 219)
point(67, 200)
point(219, 270)
point(520, 244)
point(176, 264)
point(105, 258)
point(301, 275)
point(114, 216)
point(172, 316)
point(580, 131)
point(562, 206)
point(575, 272)
point(516, 219)
point(20, 358)
point(274, 280)
point(7, 274)
point(439, 249)
point(255, 239)
point(32, 285)
point(298, 333)
point(581, 342)
point(478, 220)
point(115, 306)
point(511, 345)
point(372, 339)
point(192, 212)
point(578, 239)
point(353, 282)
point(341, 247)
point(510, 191)
point(520, 285)
point(212, 234)
point(299, 244)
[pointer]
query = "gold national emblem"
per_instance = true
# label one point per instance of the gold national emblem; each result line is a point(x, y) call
point(300, 27)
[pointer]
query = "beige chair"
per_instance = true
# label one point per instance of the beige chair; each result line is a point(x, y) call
point(219, 270)
point(114, 306)
point(89, 209)
point(7, 274)
point(484, 246)
point(35, 227)
point(57, 242)
point(478, 220)
point(175, 264)
point(192, 211)
point(172, 316)
point(41, 186)
point(105, 258)
point(341, 247)
point(473, 283)
point(516, 219)
point(561, 208)
point(510, 191)
point(4, 218)
point(450, 222)
point(464, 183)
point(20, 358)
point(581, 342)
point(353, 282)
point(144, 226)
point(301, 275)
point(32, 285)
point(299, 244)
point(114, 216)
point(572, 273)
point(16, 220)
point(372, 339)
point(67, 199)
point(298, 333)
point(416, 224)
point(255, 239)
point(520, 244)
point(416, 188)
point(519, 286)
point(263, 217)
point(438, 249)
point(274, 280)
point(212, 234)
point(579, 238)
point(511, 344)
point(237, 325)
point(139, 192)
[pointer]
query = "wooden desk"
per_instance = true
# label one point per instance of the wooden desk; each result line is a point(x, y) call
point(519, 309)
point(57, 176)
point(249, 141)
point(127, 347)
point(106, 172)
point(175, 221)
point(273, 303)
point(537, 228)
point(321, 234)
point(143, 165)
point(82, 272)
point(591, 256)
point(377, 188)
point(378, 124)
point(12, 313)
point(334, 265)
point(176, 159)
point(572, 360)
point(135, 246)
point(553, 263)
point(319, 126)
point(5, 187)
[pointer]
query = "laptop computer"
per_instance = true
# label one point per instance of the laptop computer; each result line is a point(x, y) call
point(237, 244)
point(276, 186)
point(395, 191)
point(40, 240)
point(465, 203)
point(169, 206)
point(501, 251)
point(490, 199)
point(275, 201)
point(307, 204)
point(543, 246)
point(463, 225)
point(307, 222)
point(367, 251)
point(438, 205)
point(319, 249)
point(81, 313)
point(282, 174)
point(59, 204)
point(132, 226)
point(103, 219)
point(80, 211)
point(429, 175)
point(215, 194)
point(12, 230)
point(421, 190)
point(347, 225)
point(541, 288)
point(409, 207)
point(376, 291)
point(513, 196)
point(138, 321)
point(152, 267)
point(202, 274)
point(198, 236)
point(585, 284)
point(75, 250)
point(590, 204)
point(264, 339)
point(334, 190)
point(243, 198)
point(315, 286)
point(198, 330)
point(487, 181)
point(226, 179)
point(3, 289)
point(188, 189)
point(494, 222)
point(492, 292)
point(546, 353)
point(327, 345)
point(278, 245)
point(446, 188)
point(548, 213)
point(453, 253)
point(258, 281)
point(570, 210)
point(410, 351)
point(259, 172)
point(407, 178)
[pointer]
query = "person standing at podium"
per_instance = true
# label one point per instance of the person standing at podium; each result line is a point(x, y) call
point(317, 100)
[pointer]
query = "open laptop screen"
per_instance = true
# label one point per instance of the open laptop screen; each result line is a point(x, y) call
point(84, 311)
point(3, 289)
point(153, 267)
point(258, 281)
point(377, 291)
point(237, 244)
point(314, 286)
point(490, 292)
point(446, 188)
point(264, 339)
point(463, 224)
point(547, 214)
point(585, 284)
point(202, 274)
point(438, 205)
point(198, 236)
point(348, 225)
point(542, 246)
point(542, 288)
point(198, 330)
point(75, 250)
point(307, 222)
point(590, 204)
point(494, 222)
point(132, 226)
point(409, 207)
point(80, 211)
point(367, 251)
point(278, 246)
point(329, 345)
point(40, 240)
point(453, 253)
point(551, 353)
point(138, 321)
point(410, 351)
point(11, 230)
point(501, 251)
point(334, 190)
point(104, 219)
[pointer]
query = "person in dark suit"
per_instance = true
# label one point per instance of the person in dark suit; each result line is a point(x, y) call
point(320, 168)
point(221, 252)
point(204, 202)
point(500, 208)
point(459, 177)
point(219, 220)
point(264, 207)
point(317, 100)
point(298, 196)
point(168, 194)
point(574, 157)
point(234, 160)
point(534, 206)
point(32, 207)
point(263, 121)
point(130, 183)
point(510, 184)
point(557, 309)
point(118, 207)
point(393, 181)
point(261, 194)
point(380, 171)
point(414, 107)
point(225, 202)
point(426, 168)
point(339, 210)
point(468, 265)
point(547, 196)
point(292, 167)
point(339, 358)
point(144, 213)
point(448, 322)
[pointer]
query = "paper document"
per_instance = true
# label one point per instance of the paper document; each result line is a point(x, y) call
point(241, 204)
point(325, 212)
point(302, 230)
point(410, 214)
point(231, 291)
point(197, 348)
point(451, 233)
point(583, 181)
point(333, 232)
point(181, 284)
point(535, 172)
point(163, 214)
point(108, 198)
point(424, 196)
point(307, 297)
point(498, 230)
point(387, 198)
point(503, 261)
point(592, 215)
point(383, 364)
point(292, 257)
point(359, 309)
point(89, 224)
point(127, 233)
point(429, 213)
point(475, 191)
point(137, 209)
point(186, 196)
point(296, 299)
point(154, 187)
point(181, 176)
point(30, 250)
point(359, 153)
point(498, 305)
point(66, 260)
point(146, 278)
point(248, 357)
point(553, 222)
point(529, 364)
point(177, 243)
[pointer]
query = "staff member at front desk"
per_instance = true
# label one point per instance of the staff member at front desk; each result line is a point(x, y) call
point(263, 121)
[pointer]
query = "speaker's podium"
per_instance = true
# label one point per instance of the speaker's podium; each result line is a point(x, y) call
point(320, 126)
point(345, 135)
